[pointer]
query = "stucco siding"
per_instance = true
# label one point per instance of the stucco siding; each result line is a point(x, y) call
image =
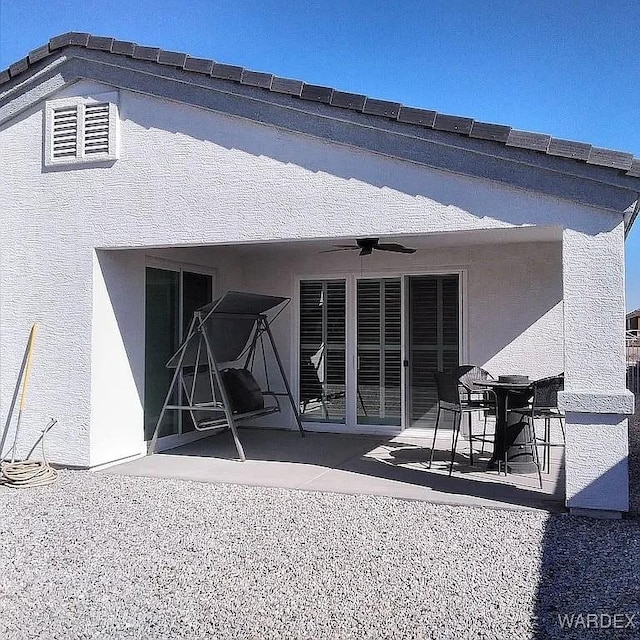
point(188, 176)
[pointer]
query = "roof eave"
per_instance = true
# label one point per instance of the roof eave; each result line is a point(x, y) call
point(545, 144)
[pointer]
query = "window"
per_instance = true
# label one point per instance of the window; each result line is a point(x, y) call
point(81, 130)
point(322, 350)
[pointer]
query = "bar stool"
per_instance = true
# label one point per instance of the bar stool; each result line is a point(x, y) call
point(449, 399)
point(545, 406)
point(468, 375)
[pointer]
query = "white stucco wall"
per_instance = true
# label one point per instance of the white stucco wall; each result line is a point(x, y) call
point(512, 307)
point(191, 177)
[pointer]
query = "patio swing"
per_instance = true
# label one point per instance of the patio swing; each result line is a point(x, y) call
point(214, 367)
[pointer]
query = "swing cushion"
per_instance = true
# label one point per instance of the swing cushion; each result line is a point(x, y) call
point(244, 392)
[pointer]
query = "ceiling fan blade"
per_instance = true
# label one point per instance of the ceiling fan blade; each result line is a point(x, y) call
point(340, 248)
point(397, 248)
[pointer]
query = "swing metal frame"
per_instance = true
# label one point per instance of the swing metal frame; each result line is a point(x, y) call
point(192, 362)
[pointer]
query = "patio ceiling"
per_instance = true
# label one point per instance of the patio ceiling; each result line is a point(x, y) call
point(426, 241)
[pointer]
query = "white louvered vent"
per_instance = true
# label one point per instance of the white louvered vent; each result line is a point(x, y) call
point(81, 130)
point(96, 129)
point(65, 133)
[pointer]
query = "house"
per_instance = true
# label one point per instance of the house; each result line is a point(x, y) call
point(633, 323)
point(140, 183)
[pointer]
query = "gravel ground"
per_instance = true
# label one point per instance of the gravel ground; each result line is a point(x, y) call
point(99, 556)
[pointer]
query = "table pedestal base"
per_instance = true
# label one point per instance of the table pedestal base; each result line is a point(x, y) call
point(511, 434)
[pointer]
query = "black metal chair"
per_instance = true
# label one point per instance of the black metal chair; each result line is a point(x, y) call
point(468, 375)
point(449, 399)
point(545, 406)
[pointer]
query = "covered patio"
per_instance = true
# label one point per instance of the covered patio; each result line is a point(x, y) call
point(370, 430)
point(354, 464)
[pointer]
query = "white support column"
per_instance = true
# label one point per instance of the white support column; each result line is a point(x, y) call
point(595, 398)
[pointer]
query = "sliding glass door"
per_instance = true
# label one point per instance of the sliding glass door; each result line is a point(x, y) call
point(379, 351)
point(433, 341)
point(171, 297)
point(369, 348)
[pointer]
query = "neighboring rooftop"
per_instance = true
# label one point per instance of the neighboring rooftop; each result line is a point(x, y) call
point(625, 163)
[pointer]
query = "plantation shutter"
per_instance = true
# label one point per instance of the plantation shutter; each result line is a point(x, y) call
point(434, 340)
point(379, 312)
point(323, 349)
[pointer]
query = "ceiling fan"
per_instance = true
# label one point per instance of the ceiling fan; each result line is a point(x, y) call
point(368, 245)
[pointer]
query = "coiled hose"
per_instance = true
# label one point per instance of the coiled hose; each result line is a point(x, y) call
point(27, 473)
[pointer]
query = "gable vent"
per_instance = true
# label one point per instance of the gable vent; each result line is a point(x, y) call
point(96, 129)
point(65, 133)
point(81, 130)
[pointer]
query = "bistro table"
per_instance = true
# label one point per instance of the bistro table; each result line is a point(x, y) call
point(510, 435)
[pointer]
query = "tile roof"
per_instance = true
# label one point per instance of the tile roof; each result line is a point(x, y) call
point(542, 143)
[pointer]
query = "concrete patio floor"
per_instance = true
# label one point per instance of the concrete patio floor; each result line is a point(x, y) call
point(353, 464)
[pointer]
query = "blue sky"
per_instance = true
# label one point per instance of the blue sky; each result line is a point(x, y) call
point(568, 68)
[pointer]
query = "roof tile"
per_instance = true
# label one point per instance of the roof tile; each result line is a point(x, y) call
point(569, 149)
point(634, 172)
point(285, 85)
point(38, 54)
point(172, 58)
point(66, 39)
point(454, 124)
point(199, 65)
point(146, 53)
point(226, 72)
point(100, 43)
point(123, 48)
point(381, 108)
point(528, 140)
point(316, 93)
point(487, 131)
point(610, 158)
point(348, 100)
point(422, 117)
point(256, 79)
point(18, 67)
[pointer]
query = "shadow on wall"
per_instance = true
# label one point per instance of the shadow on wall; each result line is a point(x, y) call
point(123, 276)
point(509, 293)
point(589, 579)
point(347, 163)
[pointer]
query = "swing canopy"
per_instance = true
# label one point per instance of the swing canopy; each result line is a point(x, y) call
point(229, 322)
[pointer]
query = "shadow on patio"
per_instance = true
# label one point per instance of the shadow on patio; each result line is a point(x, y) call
point(353, 464)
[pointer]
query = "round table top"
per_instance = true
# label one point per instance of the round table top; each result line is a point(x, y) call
point(498, 383)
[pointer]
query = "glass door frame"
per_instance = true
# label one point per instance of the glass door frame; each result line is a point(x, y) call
point(403, 349)
point(462, 337)
point(351, 278)
point(153, 262)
